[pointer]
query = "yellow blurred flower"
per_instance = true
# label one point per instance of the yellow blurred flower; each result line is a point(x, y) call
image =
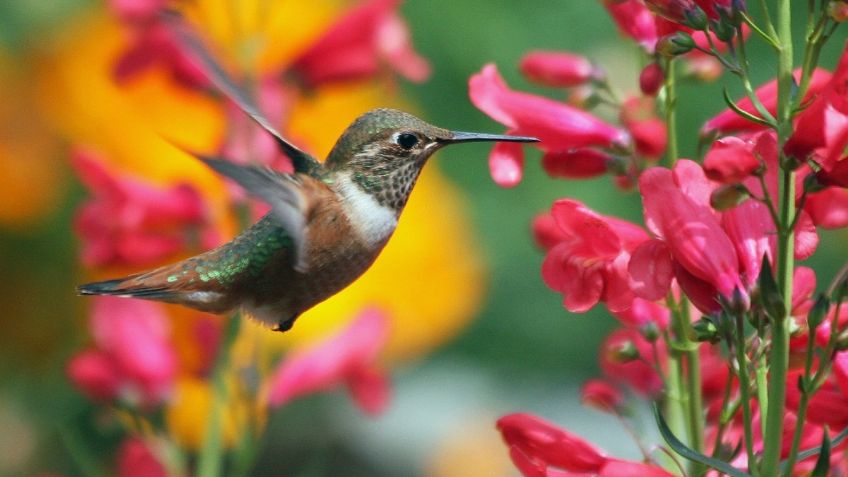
point(188, 414)
point(31, 173)
point(429, 277)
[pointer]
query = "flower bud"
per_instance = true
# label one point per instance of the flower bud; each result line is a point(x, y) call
point(601, 395)
point(684, 12)
point(650, 331)
point(651, 79)
point(812, 184)
point(842, 341)
point(816, 315)
point(769, 293)
point(837, 10)
point(723, 29)
point(559, 69)
point(728, 196)
point(624, 352)
point(679, 43)
point(705, 330)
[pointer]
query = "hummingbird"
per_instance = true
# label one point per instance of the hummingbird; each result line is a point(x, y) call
point(327, 224)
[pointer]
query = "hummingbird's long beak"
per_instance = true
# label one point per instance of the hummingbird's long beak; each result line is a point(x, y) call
point(459, 136)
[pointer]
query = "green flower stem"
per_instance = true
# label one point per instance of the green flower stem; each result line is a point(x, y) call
point(210, 460)
point(779, 355)
point(745, 392)
point(671, 112)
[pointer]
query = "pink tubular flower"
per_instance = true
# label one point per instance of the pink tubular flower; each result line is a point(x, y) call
point(829, 208)
point(677, 210)
point(627, 357)
point(576, 163)
point(590, 264)
point(558, 69)
point(649, 132)
point(135, 459)
point(730, 160)
point(822, 128)
point(133, 360)
point(129, 222)
point(560, 127)
point(347, 358)
point(637, 22)
point(366, 37)
point(545, 445)
point(728, 121)
point(601, 395)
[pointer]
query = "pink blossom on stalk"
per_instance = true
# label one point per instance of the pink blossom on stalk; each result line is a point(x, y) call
point(130, 222)
point(637, 22)
point(365, 38)
point(829, 208)
point(560, 127)
point(677, 11)
point(546, 445)
point(558, 69)
point(133, 358)
point(730, 160)
point(728, 120)
point(590, 264)
point(677, 211)
point(546, 232)
point(822, 128)
point(643, 313)
point(348, 358)
point(135, 459)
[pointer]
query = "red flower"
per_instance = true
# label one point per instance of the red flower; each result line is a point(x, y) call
point(822, 128)
point(626, 356)
point(347, 357)
point(558, 69)
point(135, 459)
point(649, 132)
point(730, 160)
point(636, 21)
point(828, 208)
point(590, 264)
point(130, 222)
point(729, 121)
point(544, 444)
point(133, 360)
point(560, 127)
point(576, 163)
point(601, 395)
point(365, 38)
point(651, 79)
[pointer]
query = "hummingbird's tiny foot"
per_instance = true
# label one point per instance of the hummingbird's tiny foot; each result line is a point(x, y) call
point(285, 325)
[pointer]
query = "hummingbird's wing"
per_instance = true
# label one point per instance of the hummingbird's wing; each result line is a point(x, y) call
point(283, 192)
point(302, 161)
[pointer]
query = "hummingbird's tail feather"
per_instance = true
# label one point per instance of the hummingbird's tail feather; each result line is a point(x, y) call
point(160, 285)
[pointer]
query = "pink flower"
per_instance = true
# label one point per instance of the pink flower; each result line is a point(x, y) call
point(677, 11)
point(601, 395)
point(558, 69)
point(623, 468)
point(637, 22)
point(576, 163)
point(544, 445)
point(135, 459)
point(677, 211)
point(133, 358)
point(590, 264)
point(365, 38)
point(627, 357)
point(651, 79)
point(829, 208)
point(730, 160)
point(649, 132)
point(130, 222)
point(728, 121)
point(822, 128)
point(560, 127)
point(643, 313)
point(348, 357)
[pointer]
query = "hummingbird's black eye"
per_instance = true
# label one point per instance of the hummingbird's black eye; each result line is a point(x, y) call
point(406, 140)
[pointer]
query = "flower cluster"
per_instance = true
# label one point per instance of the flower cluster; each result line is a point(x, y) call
point(717, 323)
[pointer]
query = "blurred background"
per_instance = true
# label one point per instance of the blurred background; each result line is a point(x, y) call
point(475, 333)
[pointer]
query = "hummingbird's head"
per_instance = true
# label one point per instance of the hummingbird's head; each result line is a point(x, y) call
point(385, 149)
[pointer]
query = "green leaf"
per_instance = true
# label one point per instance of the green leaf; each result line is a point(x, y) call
point(823, 462)
point(745, 114)
point(692, 454)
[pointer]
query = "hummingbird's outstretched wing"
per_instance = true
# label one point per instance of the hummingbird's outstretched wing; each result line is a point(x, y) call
point(283, 192)
point(187, 38)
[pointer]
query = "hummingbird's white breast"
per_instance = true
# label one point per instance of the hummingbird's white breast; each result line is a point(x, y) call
point(372, 221)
